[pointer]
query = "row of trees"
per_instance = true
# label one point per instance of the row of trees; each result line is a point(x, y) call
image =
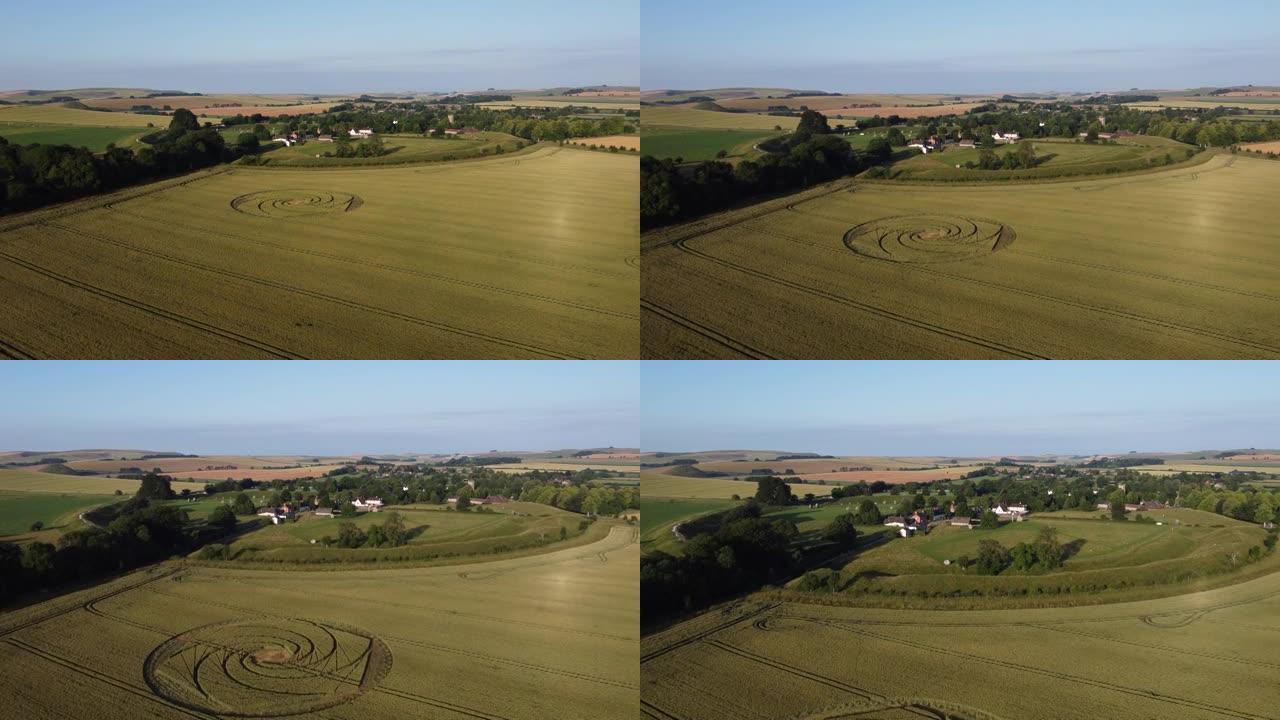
point(32, 176)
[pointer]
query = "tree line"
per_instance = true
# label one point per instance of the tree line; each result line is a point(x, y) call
point(32, 176)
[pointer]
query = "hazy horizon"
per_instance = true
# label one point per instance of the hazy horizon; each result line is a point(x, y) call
point(319, 408)
point(959, 408)
point(937, 46)
point(321, 46)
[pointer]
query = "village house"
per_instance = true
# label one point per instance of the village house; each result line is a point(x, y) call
point(324, 512)
point(361, 133)
point(962, 522)
point(1004, 138)
point(927, 145)
point(370, 505)
point(1010, 512)
point(277, 514)
point(968, 143)
point(324, 138)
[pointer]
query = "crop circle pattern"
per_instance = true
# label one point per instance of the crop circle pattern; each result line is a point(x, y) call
point(294, 203)
point(928, 238)
point(267, 667)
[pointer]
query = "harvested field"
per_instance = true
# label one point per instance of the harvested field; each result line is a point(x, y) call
point(602, 464)
point(514, 257)
point(174, 465)
point(865, 104)
point(1272, 146)
point(216, 104)
point(560, 101)
point(1189, 656)
point(258, 474)
point(1178, 263)
point(549, 635)
point(805, 466)
point(630, 142)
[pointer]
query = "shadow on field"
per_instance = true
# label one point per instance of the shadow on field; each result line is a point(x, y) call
point(1070, 549)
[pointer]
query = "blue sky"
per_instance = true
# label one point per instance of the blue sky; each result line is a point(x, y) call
point(948, 46)
point(960, 408)
point(319, 45)
point(319, 407)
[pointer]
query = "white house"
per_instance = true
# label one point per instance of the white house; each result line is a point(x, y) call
point(361, 133)
point(277, 514)
point(370, 505)
point(1015, 512)
point(1005, 137)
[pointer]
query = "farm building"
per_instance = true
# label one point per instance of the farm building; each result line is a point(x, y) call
point(962, 522)
point(361, 133)
point(895, 521)
point(1005, 137)
point(324, 512)
point(324, 138)
point(455, 132)
point(1010, 512)
point(927, 145)
point(277, 514)
point(370, 505)
point(968, 143)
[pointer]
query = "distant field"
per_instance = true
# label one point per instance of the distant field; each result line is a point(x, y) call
point(670, 486)
point(504, 257)
point(260, 474)
point(1207, 467)
point(806, 466)
point(58, 115)
point(688, 117)
point(992, 270)
point(41, 482)
point(94, 138)
point(404, 149)
point(174, 465)
point(1252, 103)
point(695, 144)
point(602, 103)
point(525, 638)
point(230, 104)
point(569, 466)
point(884, 104)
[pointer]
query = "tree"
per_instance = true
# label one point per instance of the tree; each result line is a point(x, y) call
point(842, 529)
point(242, 505)
point(1092, 135)
point(183, 121)
point(992, 557)
point(773, 491)
point(155, 487)
point(247, 141)
point(879, 150)
point(37, 526)
point(990, 520)
point(350, 535)
point(868, 513)
point(1118, 512)
point(223, 518)
point(896, 138)
point(464, 498)
point(1026, 155)
point(811, 123)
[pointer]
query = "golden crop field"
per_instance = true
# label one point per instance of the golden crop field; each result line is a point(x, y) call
point(35, 481)
point(1194, 656)
point(259, 474)
point(630, 142)
point(603, 464)
point(1169, 264)
point(1272, 146)
point(176, 465)
point(219, 104)
point(597, 103)
point(812, 466)
point(689, 117)
point(58, 115)
point(532, 256)
point(550, 635)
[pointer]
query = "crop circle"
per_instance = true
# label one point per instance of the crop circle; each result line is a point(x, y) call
point(267, 667)
point(294, 203)
point(928, 238)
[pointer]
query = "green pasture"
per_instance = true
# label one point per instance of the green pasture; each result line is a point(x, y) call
point(1056, 156)
point(19, 510)
point(697, 144)
point(404, 149)
point(658, 514)
point(94, 138)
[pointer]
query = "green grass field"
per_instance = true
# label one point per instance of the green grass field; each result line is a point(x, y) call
point(19, 510)
point(94, 138)
point(511, 257)
point(547, 635)
point(436, 534)
point(404, 149)
point(659, 514)
point(695, 144)
point(1057, 157)
point(1176, 263)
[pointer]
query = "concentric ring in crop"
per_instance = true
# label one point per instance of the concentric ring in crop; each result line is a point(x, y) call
point(267, 667)
point(928, 238)
point(294, 203)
